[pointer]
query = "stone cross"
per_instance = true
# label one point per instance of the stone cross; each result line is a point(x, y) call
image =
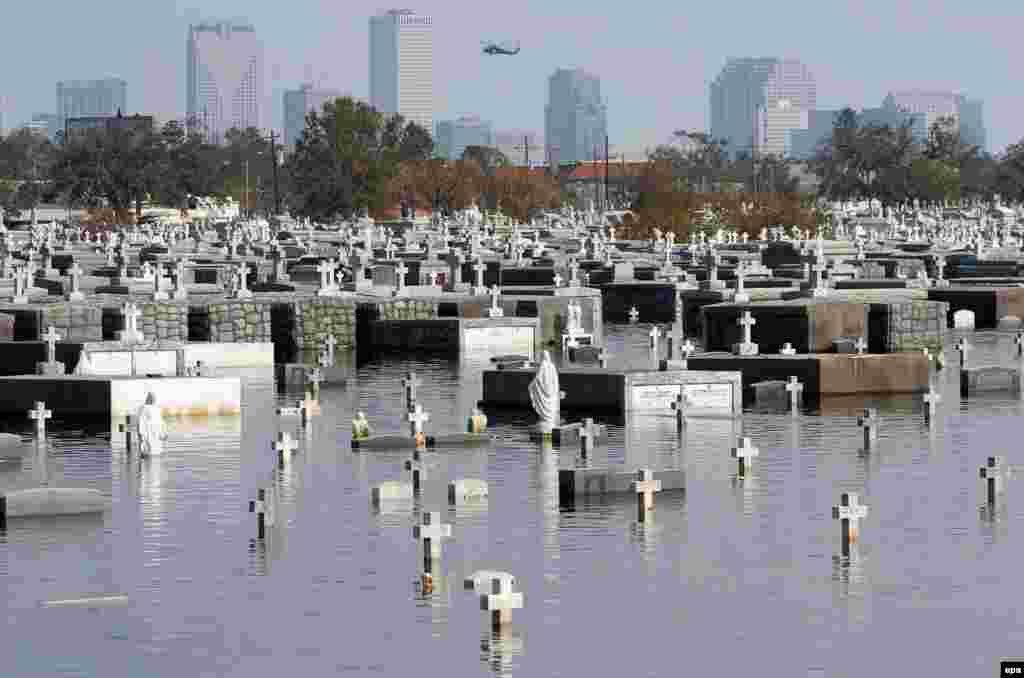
point(744, 452)
point(931, 399)
point(40, 414)
point(860, 345)
point(284, 446)
point(588, 436)
point(655, 336)
point(645, 486)
point(990, 473)
point(326, 270)
point(495, 311)
point(558, 280)
point(51, 338)
point(795, 389)
point(746, 322)
point(410, 384)
point(869, 422)
point(179, 280)
point(963, 348)
point(242, 274)
point(416, 419)
point(75, 273)
point(500, 602)
point(741, 295)
point(430, 532)
point(327, 348)
point(21, 279)
point(574, 273)
point(131, 314)
point(418, 468)
point(479, 267)
point(634, 315)
point(263, 507)
point(849, 512)
point(400, 272)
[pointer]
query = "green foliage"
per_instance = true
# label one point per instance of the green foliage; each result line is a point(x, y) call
point(346, 157)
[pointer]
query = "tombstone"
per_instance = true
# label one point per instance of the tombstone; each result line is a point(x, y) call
point(495, 310)
point(746, 347)
point(963, 319)
point(51, 367)
point(416, 419)
point(849, 512)
point(741, 296)
point(39, 414)
point(465, 490)
point(242, 275)
point(500, 603)
point(21, 281)
point(479, 268)
point(360, 426)
point(634, 315)
point(180, 292)
point(680, 405)
point(990, 473)
point(744, 455)
point(328, 286)
point(326, 357)
point(868, 421)
point(284, 446)
point(131, 333)
point(429, 533)
point(75, 274)
point(931, 400)
point(796, 390)
point(645, 487)
point(963, 348)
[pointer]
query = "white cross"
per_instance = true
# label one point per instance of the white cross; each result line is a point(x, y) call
point(558, 280)
point(479, 267)
point(417, 417)
point(634, 314)
point(991, 473)
point(747, 322)
point(433, 278)
point(849, 511)
point(744, 452)
point(645, 486)
point(131, 315)
point(500, 602)
point(860, 345)
point(679, 405)
point(51, 338)
point(430, 533)
point(655, 335)
point(40, 414)
point(410, 383)
point(495, 296)
point(588, 436)
point(326, 271)
point(284, 446)
point(932, 398)
point(795, 389)
point(869, 422)
point(417, 467)
point(963, 348)
point(687, 349)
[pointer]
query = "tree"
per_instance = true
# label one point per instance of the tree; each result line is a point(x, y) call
point(25, 162)
point(443, 185)
point(192, 167)
point(347, 156)
point(487, 158)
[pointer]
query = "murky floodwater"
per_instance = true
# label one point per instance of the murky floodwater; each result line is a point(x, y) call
point(734, 577)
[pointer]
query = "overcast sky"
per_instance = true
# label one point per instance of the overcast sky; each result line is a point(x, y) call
point(654, 58)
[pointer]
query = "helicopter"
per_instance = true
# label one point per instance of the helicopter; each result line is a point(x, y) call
point(506, 48)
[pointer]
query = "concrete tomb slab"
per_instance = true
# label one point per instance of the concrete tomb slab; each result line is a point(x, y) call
point(574, 484)
point(54, 501)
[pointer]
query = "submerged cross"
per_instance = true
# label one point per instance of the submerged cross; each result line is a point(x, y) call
point(417, 417)
point(51, 338)
point(410, 384)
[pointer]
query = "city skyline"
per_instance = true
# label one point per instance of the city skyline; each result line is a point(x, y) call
point(510, 91)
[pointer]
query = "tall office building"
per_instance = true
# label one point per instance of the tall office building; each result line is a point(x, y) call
point(299, 102)
point(761, 90)
point(224, 78)
point(402, 65)
point(575, 119)
point(453, 136)
point(972, 123)
point(82, 98)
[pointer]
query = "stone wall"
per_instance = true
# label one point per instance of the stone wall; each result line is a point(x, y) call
point(233, 321)
point(408, 309)
point(907, 326)
point(317, 317)
point(163, 321)
point(74, 322)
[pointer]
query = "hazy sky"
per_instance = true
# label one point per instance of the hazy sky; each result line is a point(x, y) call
point(654, 58)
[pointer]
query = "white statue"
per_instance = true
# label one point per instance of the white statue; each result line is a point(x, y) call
point(149, 426)
point(545, 395)
point(84, 366)
point(574, 319)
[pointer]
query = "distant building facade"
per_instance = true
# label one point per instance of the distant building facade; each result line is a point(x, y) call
point(108, 123)
point(402, 65)
point(575, 119)
point(803, 143)
point(224, 78)
point(972, 123)
point(754, 92)
point(518, 146)
point(82, 98)
point(453, 136)
point(299, 102)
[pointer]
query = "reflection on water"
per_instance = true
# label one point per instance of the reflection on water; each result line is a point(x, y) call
point(755, 559)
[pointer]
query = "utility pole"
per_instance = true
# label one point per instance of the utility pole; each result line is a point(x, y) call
point(277, 186)
point(605, 208)
point(247, 211)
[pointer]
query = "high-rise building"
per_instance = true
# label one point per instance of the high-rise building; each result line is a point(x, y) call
point(575, 119)
point(299, 102)
point(775, 122)
point(80, 98)
point(224, 78)
point(803, 142)
point(972, 123)
point(755, 91)
point(453, 136)
point(402, 65)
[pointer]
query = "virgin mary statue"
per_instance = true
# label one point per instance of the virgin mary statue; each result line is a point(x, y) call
point(545, 395)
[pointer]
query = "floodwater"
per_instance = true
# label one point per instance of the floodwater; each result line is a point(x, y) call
point(733, 577)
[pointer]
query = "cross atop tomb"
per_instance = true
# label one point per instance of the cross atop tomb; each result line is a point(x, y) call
point(645, 487)
point(51, 338)
point(40, 414)
point(963, 348)
point(849, 509)
point(795, 389)
point(744, 453)
point(410, 384)
point(495, 311)
point(746, 321)
point(285, 445)
point(417, 417)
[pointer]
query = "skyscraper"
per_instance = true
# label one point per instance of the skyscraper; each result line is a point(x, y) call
point(224, 82)
point(575, 118)
point(82, 98)
point(765, 90)
point(402, 65)
point(972, 123)
point(299, 102)
point(454, 135)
